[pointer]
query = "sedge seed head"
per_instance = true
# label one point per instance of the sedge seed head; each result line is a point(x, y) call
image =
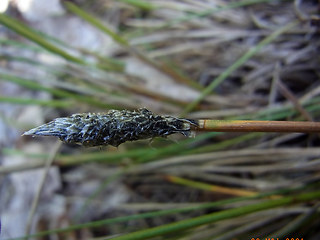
point(113, 127)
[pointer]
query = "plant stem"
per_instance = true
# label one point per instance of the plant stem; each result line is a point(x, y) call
point(256, 126)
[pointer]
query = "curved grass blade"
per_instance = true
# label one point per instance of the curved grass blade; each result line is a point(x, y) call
point(225, 144)
point(33, 36)
point(209, 12)
point(95, 22)
point(160, 213)
point(30, 101)
point(218, 216)
point(209, 187)
point(125, 43)
point(57, 92)
point(21, 45)
point(143, 5)
point(217, 81)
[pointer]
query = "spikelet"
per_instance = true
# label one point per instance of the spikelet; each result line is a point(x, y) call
point(113, 128)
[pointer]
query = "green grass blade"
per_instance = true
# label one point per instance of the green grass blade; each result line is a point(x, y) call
point(100, 157)
point(225, 144)
point(209, 187)
point(30, 101)
point(124, 43)
point(281, 112)
point(161, 213)
point(20, 45)
point(217, 81)
point(232, 5)
point(143, 5)
point(174, 149)
point(217, 216)
point(57, 92)
point(30, 34)
point(95, 22)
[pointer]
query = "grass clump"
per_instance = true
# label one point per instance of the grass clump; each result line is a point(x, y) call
point(197, 59)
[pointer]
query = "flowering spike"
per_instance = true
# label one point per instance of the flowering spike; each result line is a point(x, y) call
point(113, 128)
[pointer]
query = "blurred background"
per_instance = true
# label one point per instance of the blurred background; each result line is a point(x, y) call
point(206, 59)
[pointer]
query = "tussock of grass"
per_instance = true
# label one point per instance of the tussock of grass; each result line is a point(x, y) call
point(221, 60)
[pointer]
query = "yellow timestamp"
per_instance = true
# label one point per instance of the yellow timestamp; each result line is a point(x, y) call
point(276, 239)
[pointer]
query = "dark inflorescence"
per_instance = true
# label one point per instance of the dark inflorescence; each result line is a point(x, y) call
point(113, 128)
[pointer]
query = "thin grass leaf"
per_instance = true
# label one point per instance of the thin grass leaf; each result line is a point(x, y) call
point(218, 216)
point(66, 160)
point(106, 63)
point(209, 187)
point(226, 143)
point(217, 81)
point(29, 101)
point(137, 155)
point(174, 149)
point(283, 112)
point(21, 45)
point(160, 213)
point(109, 64)
point(115, 176)
point(123, 42)
point(107, 157)
point(10, 58)
point(95, 22)
point(82, 86)
point(33, 36)
point(209, 12)
point(56, 92)
point(298, 223)
point(17, 152)
point(143, 5)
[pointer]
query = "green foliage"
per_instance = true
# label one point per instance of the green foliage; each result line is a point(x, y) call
point(102, 83)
